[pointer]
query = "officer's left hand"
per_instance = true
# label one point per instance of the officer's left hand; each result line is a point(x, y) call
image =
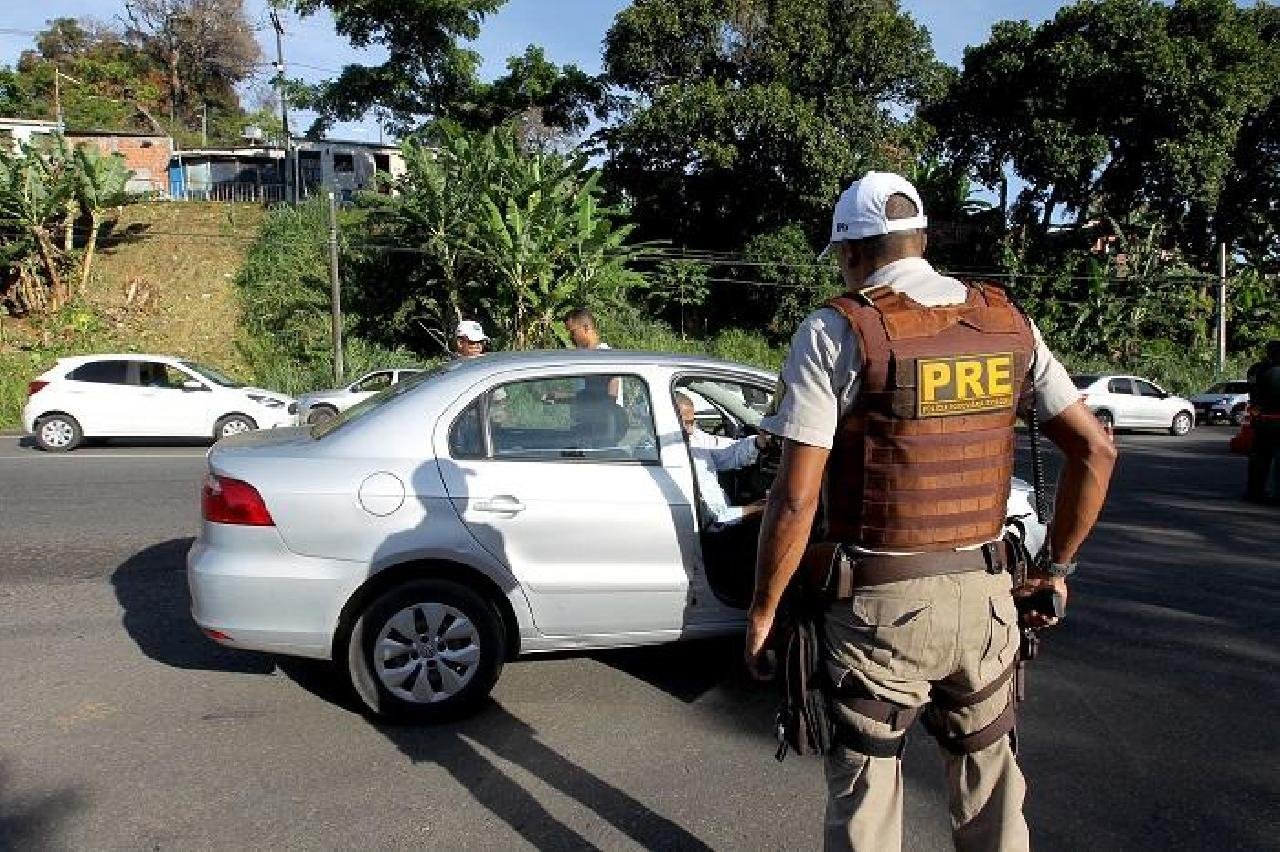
point(1039, 620)
point(756, 655)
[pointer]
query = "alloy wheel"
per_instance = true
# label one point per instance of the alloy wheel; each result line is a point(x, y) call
point(235, 426)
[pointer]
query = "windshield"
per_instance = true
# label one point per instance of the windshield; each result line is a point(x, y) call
point(1230, 387)
point(212, 375)
point(1083, 382)
point(359, 410)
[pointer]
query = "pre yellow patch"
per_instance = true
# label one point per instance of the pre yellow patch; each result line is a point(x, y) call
point(968, 384)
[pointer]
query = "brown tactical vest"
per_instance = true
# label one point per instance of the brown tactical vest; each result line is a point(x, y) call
point(922, 461)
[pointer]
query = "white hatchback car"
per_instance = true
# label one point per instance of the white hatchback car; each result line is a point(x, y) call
point(319, 406)
point(143, 396)
point(1130, 402)
point(496, 506)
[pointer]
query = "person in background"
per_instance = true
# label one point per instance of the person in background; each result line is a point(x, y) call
point(580, 323)
point(1264, 399)
point(469, 340)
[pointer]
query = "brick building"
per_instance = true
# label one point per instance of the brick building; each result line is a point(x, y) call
point(146, 155)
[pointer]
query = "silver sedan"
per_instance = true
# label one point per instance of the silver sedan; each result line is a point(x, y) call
point(504, 505)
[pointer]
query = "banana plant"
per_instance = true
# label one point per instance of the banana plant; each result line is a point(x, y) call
point(33, 196)
point(101, 182)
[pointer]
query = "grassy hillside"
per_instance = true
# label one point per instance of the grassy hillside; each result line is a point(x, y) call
point(163, 282)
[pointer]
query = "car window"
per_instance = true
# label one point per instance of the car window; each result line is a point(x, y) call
point(374, 382)
point(154, 374)
point(212, 375)
point(466, 435)
point(722, 407)
point(1083, 382)
point(566, 418)
point(1120, 386)
point(1148, 389)
point(1237, 387)
point(101, 372)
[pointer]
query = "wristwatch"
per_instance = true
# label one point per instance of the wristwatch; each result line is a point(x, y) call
point(1046, 565)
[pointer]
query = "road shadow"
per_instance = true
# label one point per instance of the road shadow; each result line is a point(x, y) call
point(151, 587)
point(31, 820)
point(466, 749)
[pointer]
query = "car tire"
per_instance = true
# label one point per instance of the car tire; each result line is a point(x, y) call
point(1105, 418)
point(426, 651)
point(233, 424)
point(321, 414)
point(58, 433)
point(1183, 423)
point(1239, 415)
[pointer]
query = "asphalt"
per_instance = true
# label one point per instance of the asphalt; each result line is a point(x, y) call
point(1151, 723)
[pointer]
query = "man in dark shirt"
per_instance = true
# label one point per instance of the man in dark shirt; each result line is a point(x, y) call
point(1264, 397)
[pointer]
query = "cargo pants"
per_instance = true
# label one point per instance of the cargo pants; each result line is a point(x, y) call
point(956, 633)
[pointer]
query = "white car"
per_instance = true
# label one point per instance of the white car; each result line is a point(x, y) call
point(1131, 402)
point(319, 406)
point(496, 506)
point(143, 396)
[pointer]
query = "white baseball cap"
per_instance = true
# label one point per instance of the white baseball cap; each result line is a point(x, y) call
point(860, 211)
point(471, 330)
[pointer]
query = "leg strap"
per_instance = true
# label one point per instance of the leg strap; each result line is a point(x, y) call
point(896, 716)
point(1003, 725)
point(948, 702)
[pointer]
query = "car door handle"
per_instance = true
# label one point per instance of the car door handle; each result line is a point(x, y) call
point(504, 505)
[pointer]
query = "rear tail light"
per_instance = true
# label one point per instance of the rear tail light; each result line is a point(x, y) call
point(230, 501)
point(35, 387)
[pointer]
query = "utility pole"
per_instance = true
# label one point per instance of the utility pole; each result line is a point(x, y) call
point(291, 184)
point(1222, 307)
point(204, 125)
point(335, 291)
point(57, 98)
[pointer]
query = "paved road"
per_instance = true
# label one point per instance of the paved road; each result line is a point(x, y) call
point(1151, 723)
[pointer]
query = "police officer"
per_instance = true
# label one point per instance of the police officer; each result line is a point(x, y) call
point(897, 404)
point(1264, 398)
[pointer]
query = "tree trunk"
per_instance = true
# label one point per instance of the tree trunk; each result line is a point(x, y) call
point(57, 287)
point(90, 246)
point(68, 227)
point(175, 86)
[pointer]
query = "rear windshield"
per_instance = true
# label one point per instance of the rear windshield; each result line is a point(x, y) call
point(365, 406)
point(1083, 382)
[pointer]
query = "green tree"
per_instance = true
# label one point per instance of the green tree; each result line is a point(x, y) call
point(1114, 106)
point(426, 73)
point(748, 115)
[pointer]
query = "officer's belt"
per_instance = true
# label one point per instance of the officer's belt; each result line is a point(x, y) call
point(834, 573)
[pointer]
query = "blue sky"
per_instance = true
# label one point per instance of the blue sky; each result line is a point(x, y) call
point(570, 30)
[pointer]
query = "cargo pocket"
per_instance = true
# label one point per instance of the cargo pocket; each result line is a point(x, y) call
point(893, 632)
point(1002, 638)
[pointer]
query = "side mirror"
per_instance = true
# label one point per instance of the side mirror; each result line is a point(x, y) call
point(194, 385)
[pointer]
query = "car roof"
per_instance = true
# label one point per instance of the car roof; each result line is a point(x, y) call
point(486, 364)
point(117, 356)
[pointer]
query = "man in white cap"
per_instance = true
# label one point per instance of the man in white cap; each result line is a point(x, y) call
point(897, 404)
point(469, 339)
